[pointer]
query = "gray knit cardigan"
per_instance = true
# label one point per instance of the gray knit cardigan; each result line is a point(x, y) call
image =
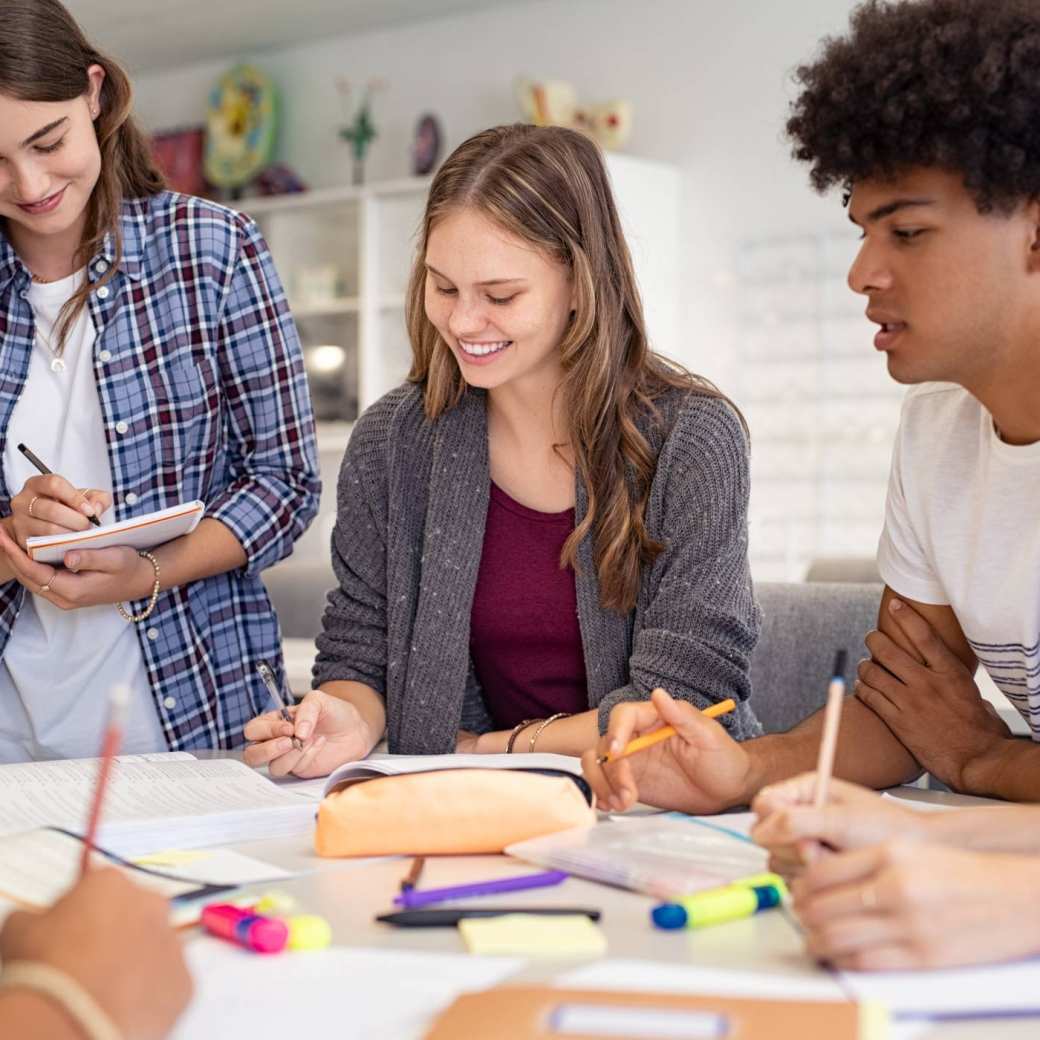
point(406, 548)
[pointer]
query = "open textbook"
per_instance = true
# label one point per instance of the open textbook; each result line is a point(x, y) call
point(153, 802)
point(397, 765)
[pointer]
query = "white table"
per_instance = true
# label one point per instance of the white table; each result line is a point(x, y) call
point(349, 894)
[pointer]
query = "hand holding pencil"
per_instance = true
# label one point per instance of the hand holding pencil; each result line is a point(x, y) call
point(697, 768)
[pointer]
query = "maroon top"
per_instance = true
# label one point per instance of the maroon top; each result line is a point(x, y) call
point(524, 635)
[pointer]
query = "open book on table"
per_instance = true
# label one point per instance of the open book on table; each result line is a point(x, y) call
point(377, 765)
point(153, 802)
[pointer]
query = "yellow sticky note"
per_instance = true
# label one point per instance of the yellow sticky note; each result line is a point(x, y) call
point(533, 935)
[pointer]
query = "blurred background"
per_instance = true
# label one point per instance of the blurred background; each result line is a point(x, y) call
point(323, 119)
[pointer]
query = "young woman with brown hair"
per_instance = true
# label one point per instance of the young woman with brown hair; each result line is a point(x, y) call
point(149, 358)
point(549, 518)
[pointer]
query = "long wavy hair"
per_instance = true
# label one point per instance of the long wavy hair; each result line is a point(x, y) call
point(548, 186)
point(44, 56)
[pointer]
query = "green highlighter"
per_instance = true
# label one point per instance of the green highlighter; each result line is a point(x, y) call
point(717, 905)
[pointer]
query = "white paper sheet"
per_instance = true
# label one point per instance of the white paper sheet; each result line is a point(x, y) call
point(349, 994)
point(994, 988)
point(153, 802)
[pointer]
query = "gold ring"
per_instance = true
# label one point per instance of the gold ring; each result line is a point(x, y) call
point(45, 588)
point(35, 499)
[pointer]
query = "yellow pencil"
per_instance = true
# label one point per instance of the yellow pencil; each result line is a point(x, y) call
point(712, 711)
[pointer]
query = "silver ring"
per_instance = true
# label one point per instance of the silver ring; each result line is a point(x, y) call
point(868, 897)
point(35, 499)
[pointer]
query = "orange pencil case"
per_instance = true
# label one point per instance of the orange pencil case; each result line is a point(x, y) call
point(450, 811)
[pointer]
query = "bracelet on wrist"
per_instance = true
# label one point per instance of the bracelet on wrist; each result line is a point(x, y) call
point(516, 732)
point(548, 722)
point(62, 989)
point(147, 612)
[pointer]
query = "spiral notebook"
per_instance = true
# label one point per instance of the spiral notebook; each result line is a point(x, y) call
point(140, 532)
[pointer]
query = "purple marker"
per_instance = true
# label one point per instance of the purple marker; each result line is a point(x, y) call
point(415, 898)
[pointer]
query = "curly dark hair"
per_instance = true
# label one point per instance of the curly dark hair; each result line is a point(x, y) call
point(948, 83)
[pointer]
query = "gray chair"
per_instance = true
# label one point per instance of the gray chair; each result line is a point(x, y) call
point(843, 568)
point(803, 625)
point(298, 589)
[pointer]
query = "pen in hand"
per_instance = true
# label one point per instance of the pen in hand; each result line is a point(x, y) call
point(47, 472)
point(272, 688)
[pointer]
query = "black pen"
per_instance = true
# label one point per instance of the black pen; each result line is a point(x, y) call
point(47, 473)
point(450, 918)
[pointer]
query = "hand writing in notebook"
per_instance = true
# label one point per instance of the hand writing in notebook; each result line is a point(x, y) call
point(49, 505)
point(89, 578)
point(333, 732)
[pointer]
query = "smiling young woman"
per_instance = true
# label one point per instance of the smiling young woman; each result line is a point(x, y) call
point(549, 518)
point(149, 358)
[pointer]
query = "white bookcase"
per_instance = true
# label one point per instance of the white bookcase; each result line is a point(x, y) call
point(344, 255)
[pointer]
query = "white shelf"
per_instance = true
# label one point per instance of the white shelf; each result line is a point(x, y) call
point(262, 205)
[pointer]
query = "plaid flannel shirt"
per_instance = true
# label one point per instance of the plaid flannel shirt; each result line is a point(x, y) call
point(203, 396)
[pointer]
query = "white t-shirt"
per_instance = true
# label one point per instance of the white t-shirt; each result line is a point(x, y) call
point(59, 666)
point(962, 527)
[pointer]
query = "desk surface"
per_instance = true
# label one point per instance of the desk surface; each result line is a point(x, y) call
point(349, 894)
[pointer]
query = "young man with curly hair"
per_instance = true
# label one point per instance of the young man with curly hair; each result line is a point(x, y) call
point(927, 114)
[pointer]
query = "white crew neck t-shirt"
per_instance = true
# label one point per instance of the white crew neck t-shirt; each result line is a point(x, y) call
point(59, 666)
point(962, 527)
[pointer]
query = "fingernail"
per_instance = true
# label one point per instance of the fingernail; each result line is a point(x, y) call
point(303, 730)
point(71, 561)
point(615, 746)
point(284, 744)
point(894, 605)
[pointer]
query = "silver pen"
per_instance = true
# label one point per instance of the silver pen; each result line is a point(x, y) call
point(272, 688)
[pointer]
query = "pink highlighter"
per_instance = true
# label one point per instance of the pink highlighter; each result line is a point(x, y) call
point(253, 931)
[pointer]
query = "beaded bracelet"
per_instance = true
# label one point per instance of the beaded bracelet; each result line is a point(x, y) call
point(147, 612)
point(64, 991)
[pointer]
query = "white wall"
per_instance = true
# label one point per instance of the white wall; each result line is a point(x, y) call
point(709, 81)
